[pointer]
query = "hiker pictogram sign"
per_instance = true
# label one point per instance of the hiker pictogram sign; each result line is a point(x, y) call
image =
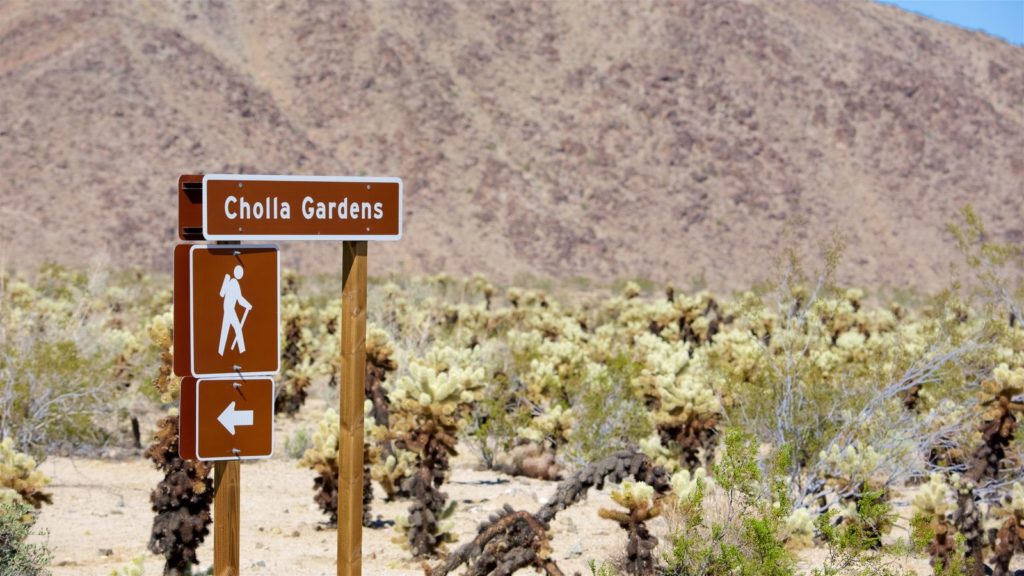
point(226, 419)
point(226, 305)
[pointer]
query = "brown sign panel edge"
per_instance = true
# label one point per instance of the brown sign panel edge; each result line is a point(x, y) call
point(182, 336)
point(191, 312)
point(187, 408)
point(292, 178)
point(190, 209)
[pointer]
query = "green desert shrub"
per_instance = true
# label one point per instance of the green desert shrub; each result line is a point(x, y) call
point(72, 356)
point(17, 556)
point(734, 524)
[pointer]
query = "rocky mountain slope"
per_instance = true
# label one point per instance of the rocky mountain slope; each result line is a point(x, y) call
point(667, 140)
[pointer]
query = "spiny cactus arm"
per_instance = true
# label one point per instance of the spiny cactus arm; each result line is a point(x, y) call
point(614, 515)
point(615, 468)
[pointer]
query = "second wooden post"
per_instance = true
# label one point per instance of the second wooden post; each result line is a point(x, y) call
point(350, 409)
point(226, 517)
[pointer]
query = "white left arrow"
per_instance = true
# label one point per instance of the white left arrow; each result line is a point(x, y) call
point(230, 418)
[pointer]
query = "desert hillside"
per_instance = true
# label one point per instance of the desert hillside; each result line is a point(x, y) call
point(668, 140)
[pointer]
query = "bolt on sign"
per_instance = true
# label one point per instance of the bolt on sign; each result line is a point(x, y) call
point(226, 310)
point(237, 207)
point(226, 419)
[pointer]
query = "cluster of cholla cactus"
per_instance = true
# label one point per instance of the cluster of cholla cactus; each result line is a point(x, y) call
point(640, 507)
point(692, 363)
point(302, 359)
point(381, 460)
point(949, 512)
point(182, 499)
point(1001, 400)
point(20, 480)
point(429, 405)
point(551, 357)
point(799, 373)
point(322, 458)
point(686, 410)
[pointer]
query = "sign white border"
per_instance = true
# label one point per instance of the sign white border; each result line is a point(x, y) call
point(273, 408)
point(286, 178)
point(192, 310)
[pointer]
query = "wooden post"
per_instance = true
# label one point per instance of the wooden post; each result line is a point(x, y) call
point(227, 497)
point(226, 515)
point(350, 409)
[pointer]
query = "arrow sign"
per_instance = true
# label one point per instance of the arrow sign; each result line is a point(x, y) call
point(226, 419)
point(230, 418)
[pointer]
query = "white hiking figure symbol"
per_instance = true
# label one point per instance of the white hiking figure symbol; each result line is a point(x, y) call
point(231, 292)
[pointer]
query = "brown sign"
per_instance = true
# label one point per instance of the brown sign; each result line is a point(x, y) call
point(249, 207)
point(226, 419)
point(226, 318)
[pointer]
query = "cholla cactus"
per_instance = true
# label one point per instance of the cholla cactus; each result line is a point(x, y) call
point(1009, 539)
point(686, 484)
point(798, 529)
point(652, 447)
point(555, 423)
point(1000, 397)
point(932, 507)
point(181, 501)
point(20, 481)
point(167, 384)
point(391, 470)
point(183, 497)
point(380, 362)
point(322, 458)
point(638, 500)
point(851, 470)
point(661, 363)
point(300, 358)
point(687, 418)
point(428, 407)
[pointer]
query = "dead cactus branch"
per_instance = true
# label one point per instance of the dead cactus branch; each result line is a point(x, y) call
point(511, 539)
point(614, 469)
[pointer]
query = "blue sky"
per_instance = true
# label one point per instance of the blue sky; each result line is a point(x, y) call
point(1002, 18)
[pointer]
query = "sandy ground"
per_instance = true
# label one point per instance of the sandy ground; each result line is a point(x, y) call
point(101, 519)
